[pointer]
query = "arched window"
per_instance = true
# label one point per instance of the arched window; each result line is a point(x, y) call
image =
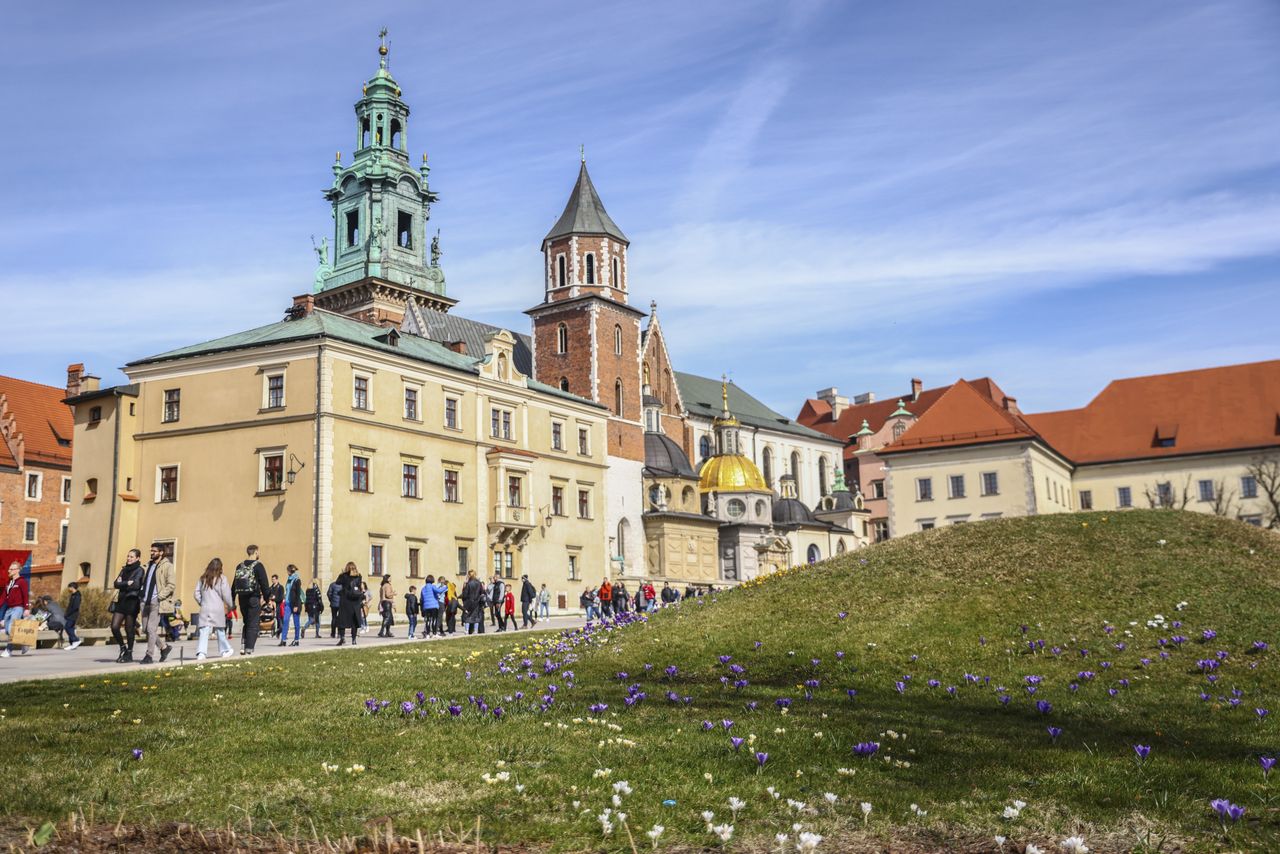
point(364, 132)
point(898, 430)
point(704, 447)
point(623, 527)
point(562, 339)
point(560, 271)
point(591, 269)
point(617, 273)
point(564, 383)
point(767, 459)
point(397, 134)
point(795, 469)
point(377, 131)
point(617, 340)
point(839, 547)
point(655, 495)
point(689, 497)
point(814, 555)
point(617, 396)
point(822, 475)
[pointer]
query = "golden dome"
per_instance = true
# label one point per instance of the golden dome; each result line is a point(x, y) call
point(730, 473)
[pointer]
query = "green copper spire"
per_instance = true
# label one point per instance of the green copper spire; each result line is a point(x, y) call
point(866, 428)
point(901, 411)
point(840, 484)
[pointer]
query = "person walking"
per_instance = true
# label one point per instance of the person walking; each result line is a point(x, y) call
point(544, 602)
point(642, 602)
point(352, 607)
point(17, 604)
point(495, 600)
point(621, 598)
point(412, 607)
point(509, 610)
point(276, 603)
point(334, 595)
point(584, 602)
point(473, 602)
point(213, 598)
point(291, 599)
point(605, 594)
point(157, 598)
point(386, 606)
point(451, 605)
point(528, 595)
point(314, 606)
point(429, 602)
point(124, 610)
point(251, 589)
point(73, 615)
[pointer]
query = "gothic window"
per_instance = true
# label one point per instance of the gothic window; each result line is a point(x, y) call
point(768, 467)
point(822, 475)
point(814, 555)
point(617, 273)
point(617, 340)
point(404, 230)
point(617, 397)
point(397, 134)
point(560, 275)
point(591, 269)
point(562, 339)
point(353, 228)
point(623, 526)
point(795, 469)
point(564, 383)
point(704, 447)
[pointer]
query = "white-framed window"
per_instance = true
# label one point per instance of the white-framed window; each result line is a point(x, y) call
point(273, 391)
point(590, 261)
point(927, 524)
point(562, 339)
point(360, 474)
point(515, 491)
point(880, 530)
point(167, 483)
point(955, 485)
point(409, 480)
point(1086, 499)
point(990, 483)
point(561, 275)
point(415, 562)
point(362, 392)
point(451, 493)
point(500, 423)
point(1124, 496)
point(172, 405)
point(35, 485)
point(66, 489)
point(1248, 486)
point(1206, 490)
point(451, 413)
point(557, 435)
point(573, 566)
point(617, 272)
point(411, 410)
point(584, 504)
point(271, 470)
point(557, 500)
point(376, 564)
point(584, 441)
point(62, 537)
point(924, 489)
point(30, 531)
point(877, 488)
point(1253, 519)
point(464, 560)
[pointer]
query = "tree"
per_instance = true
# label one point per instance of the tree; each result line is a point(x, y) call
point(1165, 497)
point(1265, 471)
point(1224, 501)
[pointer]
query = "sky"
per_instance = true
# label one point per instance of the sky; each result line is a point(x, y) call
point(817, 194)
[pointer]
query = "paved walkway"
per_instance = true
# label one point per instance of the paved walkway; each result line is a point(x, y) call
point(101, 658)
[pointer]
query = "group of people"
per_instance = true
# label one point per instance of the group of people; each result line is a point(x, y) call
point(609, 599)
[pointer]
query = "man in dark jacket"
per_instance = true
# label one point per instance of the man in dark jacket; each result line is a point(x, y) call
point(277, 601)
point(473, 600)
point(528, 593)
point(251, 589)
point(496, 592)
point(73, 614)
point(315, 607)
point(334, 594)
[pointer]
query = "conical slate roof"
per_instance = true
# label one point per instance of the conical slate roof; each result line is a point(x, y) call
point(585, 213)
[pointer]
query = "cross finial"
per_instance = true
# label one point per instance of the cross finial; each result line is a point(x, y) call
point(582, 152)
point(382, 46)
point(724, 391)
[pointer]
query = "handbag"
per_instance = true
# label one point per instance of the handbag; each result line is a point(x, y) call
point(24, 633)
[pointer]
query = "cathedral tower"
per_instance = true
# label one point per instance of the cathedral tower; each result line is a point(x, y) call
point(376, 260)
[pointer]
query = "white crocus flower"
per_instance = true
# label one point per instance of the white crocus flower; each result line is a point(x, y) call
point(1074, 845)
point(808, 842)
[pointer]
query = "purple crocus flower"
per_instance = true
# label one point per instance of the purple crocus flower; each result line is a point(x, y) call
point(1261, 713)
point(840, 655)
point(725, 659)
point(497, 711)
point(1259, 646)
point(137, 753)
point(707, 726)
point(728, 725)
point(671, 671)
point(761, 758)
point(933, 683)
point(752, 706)
point(842, 614)
point(455, 709)
point(782, 702)
point(1208, 634)
point(736, 742)
point(951, 689)
point(1111, 692)
point(1044, 707)
point(866, 748)
point(901, 686)
point(1267, 762)
point(1004, 699)
point(1227, 810)
point(406, 708)
point(1143, 750)
point(1054, 732)
point(597, 708)
point(852, 692)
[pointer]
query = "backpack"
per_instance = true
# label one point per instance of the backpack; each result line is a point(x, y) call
point(246, 581)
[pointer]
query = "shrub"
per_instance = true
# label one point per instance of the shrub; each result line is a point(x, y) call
point(93, 607)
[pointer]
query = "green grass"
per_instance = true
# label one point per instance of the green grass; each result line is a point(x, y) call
point(250, 740)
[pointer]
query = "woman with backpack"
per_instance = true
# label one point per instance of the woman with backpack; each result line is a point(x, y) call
point(124, 610)
point(352, 604)
point(213, 597)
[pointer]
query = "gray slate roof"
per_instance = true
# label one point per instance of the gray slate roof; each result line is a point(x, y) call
point(663, 457)
point(444, 327)
point(584, 213)
point(701, 396)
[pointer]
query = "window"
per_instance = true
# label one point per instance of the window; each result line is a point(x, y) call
point(557, 436)
point(880, 530)
point(409, 480)
point(617, 273)
point(562, 339)
point(735, 508)
point(95, 414)
point(926, 525)
point(564, 383)
point(360, 393)
point(704, 447)
point(656, 494)
point(584, 445)
point(813, 555)
point(168, 483)
point(795, 469)
point(353, 227)
point(275, 391)
point(560, 274)
point(62, 539)
point(35, 483)
point(955, 483)
point(1124, 497)
point(1086, 499)
point(375, 559)
point(513, 491)
point(557, 501)
point(272, 472)
point(29, 531)
point(822, 476)
point(451, 413)
point(617, 396)
point(924, 489)
point(464, 560)
point(414, 562)
point(451, 486)
point(404, 229)
point(898, 429)
point(502, 564)
point(617, 340)
point(411, 404)
point(591, 268)
point(573, 567)
point(1255, 520)
point(584, 504)
point(500, 423)
point(1206, 490)
point(877, 488)
point(1248, 486)
point(990, 483)
point(172, 405)
point(766, 458)
point(1164, 494)
point(360, 474)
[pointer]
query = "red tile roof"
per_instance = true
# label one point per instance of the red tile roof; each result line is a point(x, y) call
point(1236, 407)
point(964, 414)
point(42, 419)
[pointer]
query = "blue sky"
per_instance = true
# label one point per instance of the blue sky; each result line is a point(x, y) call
point(817, 194)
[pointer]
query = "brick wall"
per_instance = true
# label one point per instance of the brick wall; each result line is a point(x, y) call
point(575, 364)
point(49, 512)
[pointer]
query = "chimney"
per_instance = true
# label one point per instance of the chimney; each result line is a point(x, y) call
point(837, 403)
point(865, 397)
point(459, 347)
point(1011, 404)
point(88, 382)
point(74, 373)
point(917, 386)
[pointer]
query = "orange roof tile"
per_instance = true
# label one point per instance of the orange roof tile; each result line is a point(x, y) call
point(963, 415)
point(1236, 407)
point(44, 421)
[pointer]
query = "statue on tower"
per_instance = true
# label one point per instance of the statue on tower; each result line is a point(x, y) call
point(435, 249)
point(325, 267)
point(435, 275)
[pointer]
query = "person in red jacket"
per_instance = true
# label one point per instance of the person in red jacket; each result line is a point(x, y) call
point(16, 605)
point(606, 598)
point(509, 610)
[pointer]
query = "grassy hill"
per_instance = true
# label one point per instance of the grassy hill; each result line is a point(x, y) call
point(954, 652)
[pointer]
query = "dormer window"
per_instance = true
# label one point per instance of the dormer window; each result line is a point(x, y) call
point(1166, 436)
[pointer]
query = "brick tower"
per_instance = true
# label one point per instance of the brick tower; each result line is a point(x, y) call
point(586, 340)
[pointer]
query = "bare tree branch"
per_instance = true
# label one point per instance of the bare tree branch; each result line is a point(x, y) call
point(1266, 473)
